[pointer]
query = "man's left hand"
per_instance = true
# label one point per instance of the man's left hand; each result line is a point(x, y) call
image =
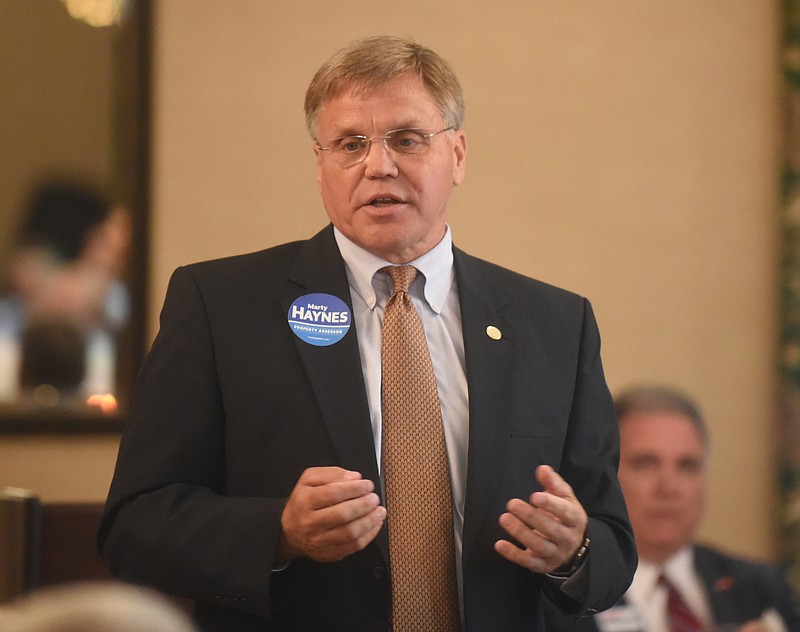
point(549, 526)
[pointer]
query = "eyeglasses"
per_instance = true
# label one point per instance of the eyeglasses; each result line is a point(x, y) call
point(350, 150)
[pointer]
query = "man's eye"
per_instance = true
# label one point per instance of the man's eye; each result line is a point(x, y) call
point(350, 144)
point(642, 463)
point(691, 466)
point(407, 139)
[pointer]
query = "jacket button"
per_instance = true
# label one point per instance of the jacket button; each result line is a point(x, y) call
point(379, 571)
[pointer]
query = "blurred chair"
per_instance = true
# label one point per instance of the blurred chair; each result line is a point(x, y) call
point(19, 516)
point(42, 544)
point(68, 543)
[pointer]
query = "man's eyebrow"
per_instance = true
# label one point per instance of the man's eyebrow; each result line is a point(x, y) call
point(347, 131)
point(408, 124)
point(350, 130)
point(643, 456)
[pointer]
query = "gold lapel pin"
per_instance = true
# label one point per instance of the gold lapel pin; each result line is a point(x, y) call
point(493, 332)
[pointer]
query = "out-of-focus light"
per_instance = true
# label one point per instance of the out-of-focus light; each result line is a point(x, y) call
point(96, 12)
point(105, 402)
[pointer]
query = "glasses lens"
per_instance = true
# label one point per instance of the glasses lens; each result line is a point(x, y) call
point(346, 149)
point(408, 141)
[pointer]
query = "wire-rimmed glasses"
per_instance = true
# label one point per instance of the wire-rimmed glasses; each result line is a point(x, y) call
point(350, 150)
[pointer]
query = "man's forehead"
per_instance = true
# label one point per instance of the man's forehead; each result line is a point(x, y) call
point(661, 431)
point(667, 419)
point(340, 121)
point(403, 91)
point(659, 452)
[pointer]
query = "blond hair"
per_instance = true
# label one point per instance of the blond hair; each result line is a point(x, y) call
point(368, 64)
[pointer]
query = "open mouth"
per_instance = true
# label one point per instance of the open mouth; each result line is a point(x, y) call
point(381, 202)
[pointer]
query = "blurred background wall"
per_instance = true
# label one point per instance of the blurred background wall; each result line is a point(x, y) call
point(44, 130)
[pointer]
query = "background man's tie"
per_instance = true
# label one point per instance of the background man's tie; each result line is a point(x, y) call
point(680, 618)
point(418, 495)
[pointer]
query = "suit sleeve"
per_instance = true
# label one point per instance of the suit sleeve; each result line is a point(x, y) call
point(167, 523)
point(785, 599)
point(589, 464)
point(770, 587)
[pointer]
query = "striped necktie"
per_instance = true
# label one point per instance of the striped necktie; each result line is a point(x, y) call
point(679, 616)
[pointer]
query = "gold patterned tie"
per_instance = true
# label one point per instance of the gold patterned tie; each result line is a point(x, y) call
point(418, 495)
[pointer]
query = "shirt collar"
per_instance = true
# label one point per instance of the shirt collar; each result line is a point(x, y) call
point(436, 266)
point(675, 569)
point(680, 566)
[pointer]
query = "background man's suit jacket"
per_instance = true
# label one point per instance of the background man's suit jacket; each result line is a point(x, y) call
point(738, 591)
point(231, 407)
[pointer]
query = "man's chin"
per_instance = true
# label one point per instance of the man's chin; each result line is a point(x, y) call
point(660, 547)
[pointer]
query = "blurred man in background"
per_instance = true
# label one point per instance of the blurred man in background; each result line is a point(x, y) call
point(680, 585)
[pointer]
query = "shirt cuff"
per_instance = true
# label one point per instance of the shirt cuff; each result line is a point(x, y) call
point(576, 585)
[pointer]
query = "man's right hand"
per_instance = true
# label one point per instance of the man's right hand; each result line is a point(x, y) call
point(331, 513)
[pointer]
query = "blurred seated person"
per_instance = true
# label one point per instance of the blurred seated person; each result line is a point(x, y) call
point(66, 267)
point(93, 607)
point(680, 585)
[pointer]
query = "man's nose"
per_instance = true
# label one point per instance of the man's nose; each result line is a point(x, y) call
point(667, 481)
point(379, 160)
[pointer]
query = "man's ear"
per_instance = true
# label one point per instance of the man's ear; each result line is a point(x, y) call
point(315, 148)
point(460, 156)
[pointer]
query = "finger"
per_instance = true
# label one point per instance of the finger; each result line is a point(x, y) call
point(558, 498)
point(330, 533)
point(333, 494)
point(521, 557)
point(345, 512)
point(316, 476)
point(355, 530)
point(527, 537)
point(542, 519)
point(337, 543)
point(523, 511)
point(367, 536)
point(553, 483)
point(535, 552)
point(567, 511)
point(542, 533)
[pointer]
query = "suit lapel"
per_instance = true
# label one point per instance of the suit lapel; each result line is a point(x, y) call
point(721, 587)
point(490, 366)
point(334, 372)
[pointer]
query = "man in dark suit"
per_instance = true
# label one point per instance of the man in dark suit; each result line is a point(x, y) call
point(250, 473)
point(664, 450)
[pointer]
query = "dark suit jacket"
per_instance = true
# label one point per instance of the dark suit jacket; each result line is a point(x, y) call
point(231, 407)
point(739, 590)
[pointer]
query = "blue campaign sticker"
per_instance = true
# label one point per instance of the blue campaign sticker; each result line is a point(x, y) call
point(319, 319)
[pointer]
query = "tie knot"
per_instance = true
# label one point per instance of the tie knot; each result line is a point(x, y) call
point(402, 277)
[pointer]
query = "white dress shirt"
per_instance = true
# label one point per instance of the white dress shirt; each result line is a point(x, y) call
point(435, 298)
point(649, 596)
